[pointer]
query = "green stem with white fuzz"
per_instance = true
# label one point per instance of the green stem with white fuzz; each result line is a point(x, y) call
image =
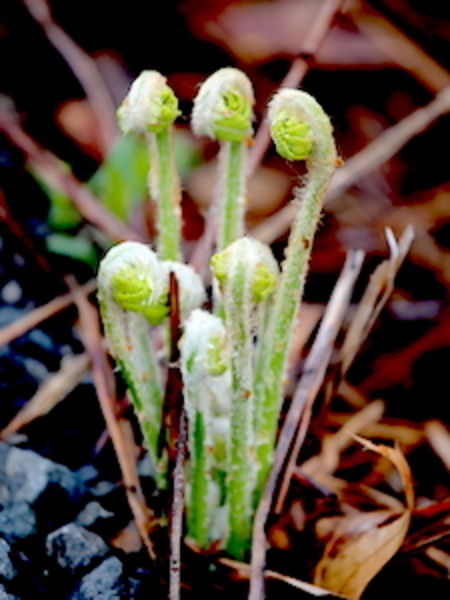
point(131, 284)
point(301, 130)
point(150, 108)
point(205, 368)
point(231, 193)
point(223, 111)
point(246, 272)
point(165, 187)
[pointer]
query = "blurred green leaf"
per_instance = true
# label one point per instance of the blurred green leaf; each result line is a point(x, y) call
point(62, 213)
point(76, 247)
point(121, 181)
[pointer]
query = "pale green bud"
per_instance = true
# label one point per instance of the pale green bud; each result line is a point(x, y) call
point(150, 105)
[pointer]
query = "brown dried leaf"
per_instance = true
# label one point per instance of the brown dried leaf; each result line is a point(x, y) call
point(358, 549)
point(361, 544)
point(128, 539)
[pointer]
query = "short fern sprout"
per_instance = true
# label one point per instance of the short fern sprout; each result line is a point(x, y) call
point(223, 110)
point(150, 105)
point(233, 362)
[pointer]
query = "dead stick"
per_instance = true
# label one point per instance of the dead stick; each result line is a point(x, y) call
point(84, 69)
point(314, 372)
point(104, 384)
point(31, 320)
point(404, 51)
point(300, 411)
point(176, 430)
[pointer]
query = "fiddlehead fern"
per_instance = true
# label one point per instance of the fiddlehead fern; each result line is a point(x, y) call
point(150, 109)
point(223, 111)
point(301, 130)
point(246, 273)
point(206, 380)
point(131, 283)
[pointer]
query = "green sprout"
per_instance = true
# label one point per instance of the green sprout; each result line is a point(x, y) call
point(233, 363)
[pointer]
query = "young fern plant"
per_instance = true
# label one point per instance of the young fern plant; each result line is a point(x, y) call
point(131, 296)
point(223, 110)
point(150, 108)
point(205, 367)
point(233, 363)
point(301, 131)
point(246, 272)
point(133, 286)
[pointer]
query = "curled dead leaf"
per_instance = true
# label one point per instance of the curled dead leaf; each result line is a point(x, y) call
point(359, 547)
point(361, 544)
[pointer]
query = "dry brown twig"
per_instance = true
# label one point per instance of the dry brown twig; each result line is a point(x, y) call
point(377, 293)
point(84, 68)
point(314, 372)
point(399, 47)
point(32, 319)
point(244, 570)
point(118, 428)
point(54, 389)
point(176, 426)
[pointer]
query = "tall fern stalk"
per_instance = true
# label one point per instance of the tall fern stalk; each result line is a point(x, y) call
point(223, 111)
point(246, 272)
point(150, 108)
point(301, 130)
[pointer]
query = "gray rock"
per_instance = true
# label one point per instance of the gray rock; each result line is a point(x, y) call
point(87, 473)
point(25, 476)
point(17, 522)
point(5, 596)
point(93, 516)
point(7, 570)
point(74, 548)
point(106, 582)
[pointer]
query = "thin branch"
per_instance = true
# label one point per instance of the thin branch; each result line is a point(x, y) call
point(314, 372)
point(399, 47)
point(175, 421)
point(176, 516)
point(50, 169)
point(370, 158)
point(105, 386)
point(53, 390)
point(32, 319)
point(84, 69)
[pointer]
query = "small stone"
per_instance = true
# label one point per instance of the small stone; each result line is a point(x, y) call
point(74, 548)
point(7, 570)
point(106, 582)
point(25, 476)
point(93, 516)
point(103, 488)
point(88, 473)
point(17, 522)
point(5, 596)
point(11, 292)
